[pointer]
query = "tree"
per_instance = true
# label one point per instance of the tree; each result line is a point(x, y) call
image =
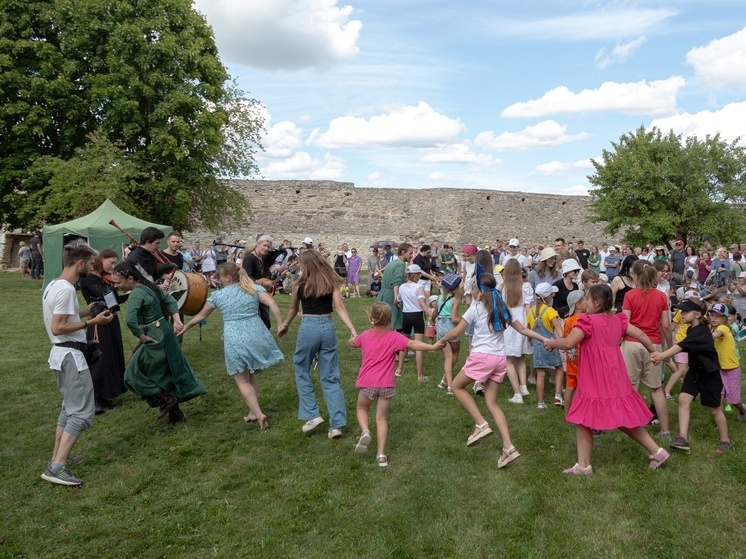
point(139, 80)
point(657, 188)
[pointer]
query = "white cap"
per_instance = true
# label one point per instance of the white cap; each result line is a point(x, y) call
point(431, 299)
point(414, 269)
point(513, 243)
point(570, 265)
point(545, 290)
point(308, 241)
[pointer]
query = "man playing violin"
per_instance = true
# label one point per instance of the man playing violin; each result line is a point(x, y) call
point(143, 256)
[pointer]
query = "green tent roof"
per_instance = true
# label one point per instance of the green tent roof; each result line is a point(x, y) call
point(96, 229)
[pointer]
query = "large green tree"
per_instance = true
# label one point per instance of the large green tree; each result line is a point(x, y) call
point(657, 187)
point(133, 84)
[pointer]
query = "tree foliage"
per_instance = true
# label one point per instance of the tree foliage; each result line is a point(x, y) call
point(656, 188)
point(133, 84)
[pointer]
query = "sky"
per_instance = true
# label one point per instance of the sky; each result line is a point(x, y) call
point(485, 94)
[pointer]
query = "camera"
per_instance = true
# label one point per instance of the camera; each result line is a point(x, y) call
point(108, 303)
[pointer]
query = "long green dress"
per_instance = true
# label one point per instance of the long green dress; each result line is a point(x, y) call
point(160, 366)
point(393, 275)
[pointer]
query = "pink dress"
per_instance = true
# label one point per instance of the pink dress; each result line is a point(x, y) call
point(605, 398)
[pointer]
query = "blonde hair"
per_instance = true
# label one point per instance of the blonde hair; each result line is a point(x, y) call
point(238, 275)
point(513, 283)
point(318, 278)
point(379, 315)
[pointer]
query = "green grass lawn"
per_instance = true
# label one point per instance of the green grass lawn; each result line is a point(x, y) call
point(218, 487)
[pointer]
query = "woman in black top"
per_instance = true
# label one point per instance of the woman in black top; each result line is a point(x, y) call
point(623, 282)
point(107, 373)
point(317, 292)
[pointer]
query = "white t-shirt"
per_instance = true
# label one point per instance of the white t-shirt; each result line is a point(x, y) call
point(484, 340)
point(409, 294)
point(60, 298)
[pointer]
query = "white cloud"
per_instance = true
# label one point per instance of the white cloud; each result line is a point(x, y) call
point(544, 134)
point(374, 176)
point(721, 63)
point(600, 24)
point(657, 98)
point(458, 153)
point(728, 121)
point(281, 140)
point(406, 126)
point(554, 168)
point(436, 176)
point(302, 166)
point(620, 53)
point(282, 34)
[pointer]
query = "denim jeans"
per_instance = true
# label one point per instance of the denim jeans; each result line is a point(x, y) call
point(317, 336)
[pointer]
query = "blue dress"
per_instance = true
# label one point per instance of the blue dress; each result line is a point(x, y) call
point(247, 342)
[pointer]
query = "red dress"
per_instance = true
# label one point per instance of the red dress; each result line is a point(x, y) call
point(605, 398)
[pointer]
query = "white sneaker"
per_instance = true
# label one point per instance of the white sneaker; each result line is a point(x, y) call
point(516, 399)
point(478, 388)
point(524, 391)
point(311, 424)
point(335, 433)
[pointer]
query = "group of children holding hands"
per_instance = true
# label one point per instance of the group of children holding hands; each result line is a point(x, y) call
point(599, 394)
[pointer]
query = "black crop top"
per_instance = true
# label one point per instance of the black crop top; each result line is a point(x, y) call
point(315, 305)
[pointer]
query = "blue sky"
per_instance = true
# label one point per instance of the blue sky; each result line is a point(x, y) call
point(477, 94)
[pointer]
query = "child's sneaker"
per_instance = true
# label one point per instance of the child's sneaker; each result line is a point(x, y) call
point(524, 391)
point(724, 446)
point(657, 459)
point(541, 406)
point(516, 399)
point(668, 396)
point(478, 388)
point(558, 401)
point(442, 384)
point(361, 447)
point(681, 443)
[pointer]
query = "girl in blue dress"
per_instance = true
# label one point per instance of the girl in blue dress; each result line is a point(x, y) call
point(249, 347)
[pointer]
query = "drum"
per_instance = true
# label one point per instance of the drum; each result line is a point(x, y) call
point(189, 290)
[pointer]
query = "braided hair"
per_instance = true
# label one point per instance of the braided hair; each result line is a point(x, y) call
point(129, 270)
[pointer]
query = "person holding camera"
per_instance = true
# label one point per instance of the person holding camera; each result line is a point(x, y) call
point(66, 331)
point(107, 373)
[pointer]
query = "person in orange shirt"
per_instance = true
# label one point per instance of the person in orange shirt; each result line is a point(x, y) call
point(576, 302)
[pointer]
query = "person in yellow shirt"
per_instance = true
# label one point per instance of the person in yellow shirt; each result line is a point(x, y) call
point(544, 320)
point(730, 369)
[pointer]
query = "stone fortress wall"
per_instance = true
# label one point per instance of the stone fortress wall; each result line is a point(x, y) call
point(334, 212)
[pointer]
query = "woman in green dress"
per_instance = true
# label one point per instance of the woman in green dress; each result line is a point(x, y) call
point(158, 371)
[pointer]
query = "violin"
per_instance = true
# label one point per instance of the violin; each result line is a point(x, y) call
point(106, 276)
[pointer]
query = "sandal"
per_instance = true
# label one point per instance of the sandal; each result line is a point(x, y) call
point(442, 384)
point(361, 447)
point(382, 460)
point(508, 455)
point(484, 431)
point(399, 372)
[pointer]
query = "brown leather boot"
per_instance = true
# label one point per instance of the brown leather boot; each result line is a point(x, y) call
point(175, 416)
point(166, 403)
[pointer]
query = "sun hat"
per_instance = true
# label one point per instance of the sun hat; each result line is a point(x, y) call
point(570, 265)
point(660, 247)
point(498, 268)
point(603, 277)
point(546, 254)
point(574, 298)
point(414, 269)
point(719, 308)
point(545, 290)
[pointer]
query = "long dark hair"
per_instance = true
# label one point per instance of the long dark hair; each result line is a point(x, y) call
point(128, 270)
point(627, 263)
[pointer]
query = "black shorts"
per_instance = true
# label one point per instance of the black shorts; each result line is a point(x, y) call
point(708, 386)
point(412, 320)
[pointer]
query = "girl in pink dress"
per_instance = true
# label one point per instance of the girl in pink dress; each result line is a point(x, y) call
point(605, 398)
point(376, 379)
